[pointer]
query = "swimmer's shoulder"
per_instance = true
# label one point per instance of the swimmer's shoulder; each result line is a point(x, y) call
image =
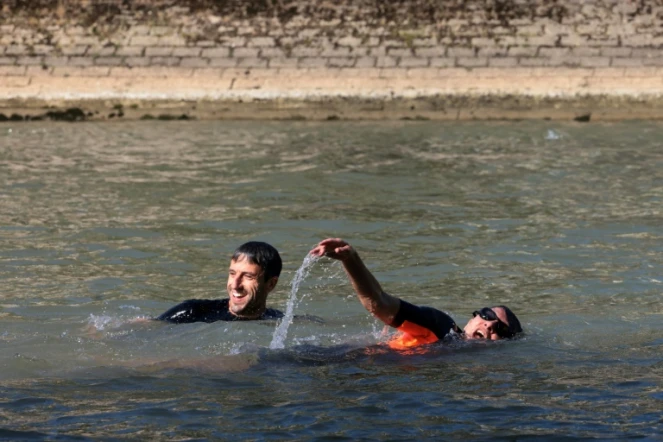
point(198, 310)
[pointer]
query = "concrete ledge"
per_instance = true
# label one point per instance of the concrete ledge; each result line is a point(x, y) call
point(318, 94)
point(433, 107)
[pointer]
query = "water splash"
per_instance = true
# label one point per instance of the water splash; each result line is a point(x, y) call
point(103, 321)
point(281, 332)
point(553, 135)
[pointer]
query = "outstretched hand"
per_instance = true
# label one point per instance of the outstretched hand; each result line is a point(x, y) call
point(334, 248)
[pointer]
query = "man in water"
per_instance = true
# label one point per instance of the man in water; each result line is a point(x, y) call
point(418, 325)
point(254, 271)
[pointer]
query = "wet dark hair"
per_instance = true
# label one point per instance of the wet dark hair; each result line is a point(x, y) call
point(262, 254)
point(514, 323)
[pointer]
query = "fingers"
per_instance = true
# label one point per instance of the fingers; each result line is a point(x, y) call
point(331, 247)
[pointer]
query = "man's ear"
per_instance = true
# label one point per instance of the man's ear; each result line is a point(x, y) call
point(272, 283)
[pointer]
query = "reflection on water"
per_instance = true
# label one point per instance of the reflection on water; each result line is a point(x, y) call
point(107, 225)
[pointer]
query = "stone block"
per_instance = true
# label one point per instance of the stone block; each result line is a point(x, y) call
point(130, 51)
point(303, 51)
point(646, 53)
point(272, 53)
point(530, 30)
point(56, 61)
point(244, 52)
point(16, 50)
point(340, 62)
point(552, 52)
point(540, 61)
point(616, 52)
point(573, 41)
point(312, 62)
point(349, 41)
point(549, 40)
point(410, 62)
point(42, 49)
point(88, 41)
point(216, 52)
point(585, 51)
point(433, 51)
point(101, 51)
point(483, 42)
point(365, 62)
point(137, 61)
point(194, 62)
point(386, 62)
point(108, 61)
point(165, 61)
point(380, 51)
point(7, 61)
point(471, 62)
point(186, 52)
point(261, 42)
point(170, 40)
point(400, 52)
point(223, 62)
point(336, 52)
point(159, 51)
point(7, 71)
point(89, 71)
point(308, 33)
point(160, 31)
point(594, 61)
point(75, 50)
point(627, 62)
point(442, 62)
point(139, 30)
point(652, 61)
point(503, 62)
point(524, 51)
point(493, 51)
point(30, 61)
point(234, 42)
point(370, 42)
point(283, 62)
point(252, 62)
point(461, 52)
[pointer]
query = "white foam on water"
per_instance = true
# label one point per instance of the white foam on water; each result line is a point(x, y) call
point(281, 332)
point(103, 321)
point(553, 135)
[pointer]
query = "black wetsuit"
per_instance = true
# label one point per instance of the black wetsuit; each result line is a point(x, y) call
point(208, 310)
point(420, 325)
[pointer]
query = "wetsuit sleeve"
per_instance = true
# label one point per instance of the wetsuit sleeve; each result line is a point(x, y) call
point(192, 310)
point(420, 325)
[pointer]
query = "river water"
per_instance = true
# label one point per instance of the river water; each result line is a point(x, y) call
point(104, 226)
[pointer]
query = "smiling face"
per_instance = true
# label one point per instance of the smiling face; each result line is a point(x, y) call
point(247, 288)
point(483, 327)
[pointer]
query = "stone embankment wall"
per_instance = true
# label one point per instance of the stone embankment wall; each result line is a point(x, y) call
point(314, 59)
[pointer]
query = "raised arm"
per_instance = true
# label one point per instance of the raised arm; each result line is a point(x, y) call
point(379, 303)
